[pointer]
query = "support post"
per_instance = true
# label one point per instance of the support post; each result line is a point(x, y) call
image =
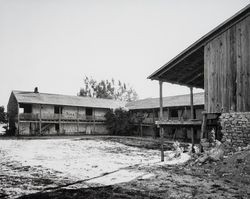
point(18, 120)
point(40, 119)
point(60, 115)
point(161, 119)
point(192, 115)
point(94, 120)
point(77, 118)
point(203, 128)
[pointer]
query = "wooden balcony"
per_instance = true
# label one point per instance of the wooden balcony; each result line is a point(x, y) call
point(28, 116)
point(190, 122)
point(171, 121)
point(57, 117)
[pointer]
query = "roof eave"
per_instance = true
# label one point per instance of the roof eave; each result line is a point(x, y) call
point(243, 13)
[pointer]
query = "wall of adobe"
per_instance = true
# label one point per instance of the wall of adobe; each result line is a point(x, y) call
point(235, 128)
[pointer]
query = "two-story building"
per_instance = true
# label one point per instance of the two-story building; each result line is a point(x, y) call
point(34, 113)
point(176, 113)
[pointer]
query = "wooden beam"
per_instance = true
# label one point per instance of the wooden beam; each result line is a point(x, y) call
point(77, 117)
point(195, 77)
point(18, 120)
point(94, 119)
point(176, 61)
point(60, 115)
point(161, 119)
point(40, 119)
point(203, 128)
point(189, 75)
point(192, 115)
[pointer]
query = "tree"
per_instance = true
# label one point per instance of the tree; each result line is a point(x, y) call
point(3, 115)
point(119, 122)
point(107, 89)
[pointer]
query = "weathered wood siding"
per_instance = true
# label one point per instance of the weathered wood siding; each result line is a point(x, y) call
point(227, 70)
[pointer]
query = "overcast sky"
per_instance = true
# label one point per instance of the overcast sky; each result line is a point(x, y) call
point(53, 44)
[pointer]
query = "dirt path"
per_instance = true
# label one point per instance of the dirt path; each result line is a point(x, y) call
point(227, 179)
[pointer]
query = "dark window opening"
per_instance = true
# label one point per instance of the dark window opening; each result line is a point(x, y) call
point(174, 113)
point(58, 109)
point(27, 108)
point(89, 111)
point(57, 127)
point(156, 113)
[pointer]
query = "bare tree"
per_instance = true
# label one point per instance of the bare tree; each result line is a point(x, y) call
point(108, 89)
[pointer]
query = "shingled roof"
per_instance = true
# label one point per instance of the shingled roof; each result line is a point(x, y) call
point(172, 101)
point(65, 100)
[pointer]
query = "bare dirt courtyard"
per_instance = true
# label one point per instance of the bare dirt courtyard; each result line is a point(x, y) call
point(109, 167)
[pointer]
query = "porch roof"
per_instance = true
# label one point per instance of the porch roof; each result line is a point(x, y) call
point(187, 68)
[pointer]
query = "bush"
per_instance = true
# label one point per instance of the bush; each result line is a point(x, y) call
point(118, 122)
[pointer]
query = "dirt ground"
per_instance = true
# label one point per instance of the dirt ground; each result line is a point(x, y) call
point(229, 178)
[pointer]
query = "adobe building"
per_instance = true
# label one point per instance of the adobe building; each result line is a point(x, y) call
point(219, 63)
point(34, 113)
point(176, 111)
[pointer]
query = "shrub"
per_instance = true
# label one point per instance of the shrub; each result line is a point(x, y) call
point(118, 122)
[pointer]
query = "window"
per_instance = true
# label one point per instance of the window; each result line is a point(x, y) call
point(58, 109)
point(89, 111)
point(26, 108)
point(174, 113)
point(57, 127)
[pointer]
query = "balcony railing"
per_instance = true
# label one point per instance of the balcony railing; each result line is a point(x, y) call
point(151, 120)
point(28, 116)
point(57, 117)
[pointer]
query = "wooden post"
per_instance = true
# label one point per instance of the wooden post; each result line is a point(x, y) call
point(153, 111)
point(60, 111)
point(94, 119)
point(192, 115)
point(141, 129)
point(203, 128)
point(77, 118)
point(40, 119)
point(18, 120)
point(161, 119)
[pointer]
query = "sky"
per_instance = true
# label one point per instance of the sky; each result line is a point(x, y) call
point(54, 44)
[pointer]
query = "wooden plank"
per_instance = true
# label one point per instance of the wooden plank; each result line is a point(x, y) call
point(232, 67)
point(243, 61)
point(206, 69)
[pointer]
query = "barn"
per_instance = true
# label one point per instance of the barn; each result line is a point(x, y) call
point(219, 63)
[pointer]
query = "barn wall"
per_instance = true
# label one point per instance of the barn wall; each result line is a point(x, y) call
point(227, 70)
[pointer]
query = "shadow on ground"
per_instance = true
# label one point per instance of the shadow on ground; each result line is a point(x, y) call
point(105, 192)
